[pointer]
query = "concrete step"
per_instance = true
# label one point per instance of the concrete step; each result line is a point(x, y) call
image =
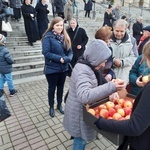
point(28, 65)
point(27, 73)
point(25, 53)
point(26, 59)
point(28, 79)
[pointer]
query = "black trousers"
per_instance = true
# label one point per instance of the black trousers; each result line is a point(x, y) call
point(55, 80)
point(87, 12)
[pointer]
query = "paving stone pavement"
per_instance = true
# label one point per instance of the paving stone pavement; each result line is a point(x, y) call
point(31, 128)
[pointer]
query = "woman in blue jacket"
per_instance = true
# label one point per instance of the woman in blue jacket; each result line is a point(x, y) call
point(137, 128)
point(56, 48)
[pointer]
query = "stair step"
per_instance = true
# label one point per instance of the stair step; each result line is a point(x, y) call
point(27, 73)
point(25, 53)
point(29, 79)
point(29, 65)
point(26, 59)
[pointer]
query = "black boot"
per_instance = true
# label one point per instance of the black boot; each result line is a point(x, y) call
point(59, 107)
point(51, 112)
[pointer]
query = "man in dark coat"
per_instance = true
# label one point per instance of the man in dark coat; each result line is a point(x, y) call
point(138, 29)
point(30, 22)
point(79, 40)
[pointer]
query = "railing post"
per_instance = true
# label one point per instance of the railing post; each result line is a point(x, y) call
point(94, 12)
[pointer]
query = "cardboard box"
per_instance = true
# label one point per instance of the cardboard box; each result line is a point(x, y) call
point(90, 119)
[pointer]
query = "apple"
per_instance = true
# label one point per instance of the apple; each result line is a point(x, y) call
point(96, 110)
point(117, 106)
point(127, 117)
point(109, 117)
point(102, 106)
point(111, 112)
point(117, 116)
point(122, 118)
point(145, 78)
point(121, 102)
point(97, 115)
point(103, 113)
point(91, 111)
point(109, 104)
point(128, 103)
point(127, 110)
point(119, 81)
point(121, 111)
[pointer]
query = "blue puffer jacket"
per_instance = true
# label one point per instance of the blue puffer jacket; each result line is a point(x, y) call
point(6, 60)
point(53, 51)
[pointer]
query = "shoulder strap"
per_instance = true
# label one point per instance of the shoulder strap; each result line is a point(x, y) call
point(75, 34)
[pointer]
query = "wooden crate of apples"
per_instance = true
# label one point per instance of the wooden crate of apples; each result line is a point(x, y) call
point(117, 109)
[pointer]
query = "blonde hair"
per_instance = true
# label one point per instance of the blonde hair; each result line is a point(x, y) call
point(66, 36)
point(146, 50)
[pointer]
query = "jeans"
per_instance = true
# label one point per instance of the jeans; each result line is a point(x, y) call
point(6, 78)
point(79, 143)
point(55, 80)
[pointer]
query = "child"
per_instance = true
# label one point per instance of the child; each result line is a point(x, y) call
point(5, 68)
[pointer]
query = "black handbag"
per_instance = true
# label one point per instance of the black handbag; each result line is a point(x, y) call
point(4, 112)
point(8, 11)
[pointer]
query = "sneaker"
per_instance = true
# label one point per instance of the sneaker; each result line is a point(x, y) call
point(13, 93)
point(1, 92)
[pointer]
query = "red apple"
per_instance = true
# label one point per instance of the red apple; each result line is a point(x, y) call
point(117, 116)
point(109, 117)
point(121, 102)
point(111, 112)
point(103, 113)
point(97, 115)
point(127, 110)
point(109, 104)
point(117, 106)
point(102, 106)
point(121, 111)
point(96, 110)
point(128, 103)
point(122, 118)
point(91, 111)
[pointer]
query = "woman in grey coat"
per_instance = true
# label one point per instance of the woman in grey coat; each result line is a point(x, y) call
point(85, 89)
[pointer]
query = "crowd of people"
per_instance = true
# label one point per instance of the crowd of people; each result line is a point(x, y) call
point(113, 53)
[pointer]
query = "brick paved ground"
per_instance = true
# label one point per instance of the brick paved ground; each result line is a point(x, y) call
point(31, 128)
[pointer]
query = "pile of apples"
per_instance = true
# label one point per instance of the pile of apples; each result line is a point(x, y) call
point(119, 109)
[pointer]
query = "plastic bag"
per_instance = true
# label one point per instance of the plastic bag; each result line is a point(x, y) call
point(4, 112)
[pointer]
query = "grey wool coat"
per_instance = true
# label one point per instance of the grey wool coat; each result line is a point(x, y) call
point(84, 89)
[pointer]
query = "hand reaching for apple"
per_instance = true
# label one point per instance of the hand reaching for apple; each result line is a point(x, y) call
point(139, 82)
point(120, 84)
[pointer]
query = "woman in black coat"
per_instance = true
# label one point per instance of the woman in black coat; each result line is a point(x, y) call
point(108, 17)
point(42, 18)
point(137, 128)
point(29, 15)
point(88, 7)
point(78, 41)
